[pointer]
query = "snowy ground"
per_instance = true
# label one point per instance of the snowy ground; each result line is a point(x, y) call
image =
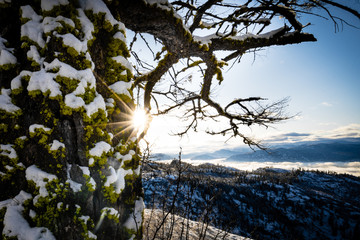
point(176, 227)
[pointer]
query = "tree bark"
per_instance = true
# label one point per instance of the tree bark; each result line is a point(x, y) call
point(70, 164)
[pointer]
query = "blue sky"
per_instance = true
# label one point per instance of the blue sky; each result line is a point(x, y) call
point(321, 78)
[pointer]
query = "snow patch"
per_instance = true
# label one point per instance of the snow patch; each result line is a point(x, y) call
point(40, 178)
point(5, 101)
point(8, 151)
point(71, 41)
point(71, 100)
point(121, 87)
point(110, 211)
point(117, 178)
point(98, 6)
point(32, 28)
point(34, 55)
point(33, 127)
point(47, 5)
point(86, 25)
point(123, 61)
point(135, 220)
point(15, 225)
point(50, 23)
point(94, 106)
point(44, 81)
point(55, 145)
point(120, 36)
point(99, 149)
point(6, 54)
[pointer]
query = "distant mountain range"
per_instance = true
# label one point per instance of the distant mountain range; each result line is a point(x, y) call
point(339, 150)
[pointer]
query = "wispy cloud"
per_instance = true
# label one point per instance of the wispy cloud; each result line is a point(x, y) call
point(326, 104)
point(348, 131)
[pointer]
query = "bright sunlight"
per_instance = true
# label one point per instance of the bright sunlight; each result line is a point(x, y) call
point(139, 119)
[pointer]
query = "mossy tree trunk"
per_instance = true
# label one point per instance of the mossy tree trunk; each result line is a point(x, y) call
point(70, 165)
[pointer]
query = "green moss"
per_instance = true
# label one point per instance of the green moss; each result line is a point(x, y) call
point(106, 213)
point(41, 135)
point(34, 93)
point(89, 186)
point(10, 115)
point(89, 94)
point(20, 142)
point(3, 128)
point(110, 194)
point(6, 67)
point(68, 85)
point(16, 91)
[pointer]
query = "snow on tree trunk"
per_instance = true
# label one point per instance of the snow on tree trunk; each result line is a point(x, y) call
point(70, 165)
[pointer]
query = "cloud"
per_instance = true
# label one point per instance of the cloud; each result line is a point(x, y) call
point(326, 104)
point(348, 131)
point(295, 134)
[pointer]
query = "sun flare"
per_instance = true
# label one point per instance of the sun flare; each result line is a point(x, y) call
point(139, 119)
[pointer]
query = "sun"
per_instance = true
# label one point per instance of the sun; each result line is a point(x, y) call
point(139, 119)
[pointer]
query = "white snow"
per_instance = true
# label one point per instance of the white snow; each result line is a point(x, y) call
point(44, 81)
point(120, 36)
point(75, 186)
point(32, 213)
point(68, 71)
point(34, 55)
point(91, 161)
point(124, 62)
point(121, 87)
point(16, 82)
point(86, 79)
point(29, 13)
point(127, 157)
point(8, 151)
point(39, 177)
point(110, 211)
point(47, 5)
point(110, 102)
point(51, 23)
point(95, 105)
point(71, 100)
point(86, 25)
point(85, 170)
point(91, 235)
point(55, 145)
point(71, 41)
point(98, 6)
point(16, 226)
point(99, 149)
point(6, 54)
point(117, 178)
point(135, 220)
point(9, 168)
point(33, 127)
point(7, 57)
point(5, 101)
point(32, 28)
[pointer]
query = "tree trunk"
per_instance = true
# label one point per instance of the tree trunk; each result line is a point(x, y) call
point(70, 165)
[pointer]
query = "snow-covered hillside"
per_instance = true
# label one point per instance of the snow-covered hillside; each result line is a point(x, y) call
point(263, 204)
